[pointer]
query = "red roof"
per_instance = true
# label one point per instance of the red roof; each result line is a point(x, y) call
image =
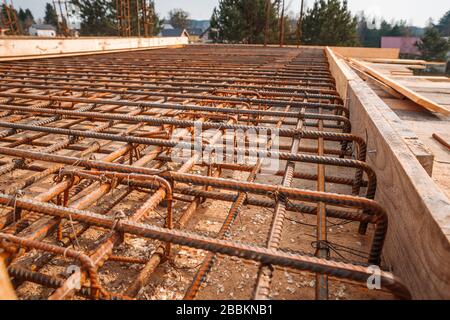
point(406, 45)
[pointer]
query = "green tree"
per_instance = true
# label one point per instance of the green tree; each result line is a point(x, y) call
point(237, 21)
point(154, 20)
point(26, 18)
point(50, 17)
point(178, 18)
point(369, 34)
point(98, 17)
point(444, 25)
point(432, 46)
point(329, 22)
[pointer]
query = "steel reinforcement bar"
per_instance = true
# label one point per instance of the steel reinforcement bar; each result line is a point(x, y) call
point(93, 146)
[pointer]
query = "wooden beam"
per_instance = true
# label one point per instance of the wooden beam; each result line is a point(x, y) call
point(367, 53)
point(417, 247)
point(367, 77)
point(410, 94)
point(396, 61)
point(34, 47)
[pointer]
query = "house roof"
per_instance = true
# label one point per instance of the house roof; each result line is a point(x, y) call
point(174, 33)
point(195, 31)
point(43, 27)
point(405, 44)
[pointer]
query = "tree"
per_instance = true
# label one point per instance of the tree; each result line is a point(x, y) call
point(26, 18)
point(444, 25)
point(179, 18)
point(370, 35)
point(432, 46)
point(329, 22)
point(50, 17)
point(237, 21)
point(98, 17)
point(154, 20)
point(154, 23)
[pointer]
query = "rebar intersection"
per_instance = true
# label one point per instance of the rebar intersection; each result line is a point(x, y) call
point(92, 143)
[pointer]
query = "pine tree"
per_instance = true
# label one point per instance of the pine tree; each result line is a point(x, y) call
point(432, 46)
point(98, 17)
point(329, 22)
point(243, 21)
point(51, 17)
point(178, 18)
point(444, 25)
point(25, 18)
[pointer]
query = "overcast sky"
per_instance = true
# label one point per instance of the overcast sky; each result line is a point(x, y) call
point(417, 12)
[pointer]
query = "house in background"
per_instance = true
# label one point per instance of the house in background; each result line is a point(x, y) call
point(42, 30)
point(195, 34)
point(407, 45)
point(196, 31)
point(174, 33)
point(206, 35)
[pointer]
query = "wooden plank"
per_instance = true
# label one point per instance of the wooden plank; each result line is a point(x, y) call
point(339, 72)
point(381, 85)
point(418, 241)
point(343, 74)
point(6, 289)
point(396, 61)
point(23, 47)
point(414, 96)
point(364, 53)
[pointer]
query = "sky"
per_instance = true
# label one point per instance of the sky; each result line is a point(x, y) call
point(416, 12)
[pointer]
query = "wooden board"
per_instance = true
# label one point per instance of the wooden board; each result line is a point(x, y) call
point(396, 61)
point(418, 242)
point(368, 78)
point(13, 48)
point(410, 94)
point(339, 71)
point(355, 52)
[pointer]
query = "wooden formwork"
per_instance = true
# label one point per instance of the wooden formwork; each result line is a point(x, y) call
point(13, 48)
point(417, 246)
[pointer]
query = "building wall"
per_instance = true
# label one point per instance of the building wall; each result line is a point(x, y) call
point(42, 33)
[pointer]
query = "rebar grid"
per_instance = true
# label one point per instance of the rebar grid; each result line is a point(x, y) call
point(87, 143)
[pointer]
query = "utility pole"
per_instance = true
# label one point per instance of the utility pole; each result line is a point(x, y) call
point(299, 25)
point(266, 27)
point(138, 19)
point(282, 25)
